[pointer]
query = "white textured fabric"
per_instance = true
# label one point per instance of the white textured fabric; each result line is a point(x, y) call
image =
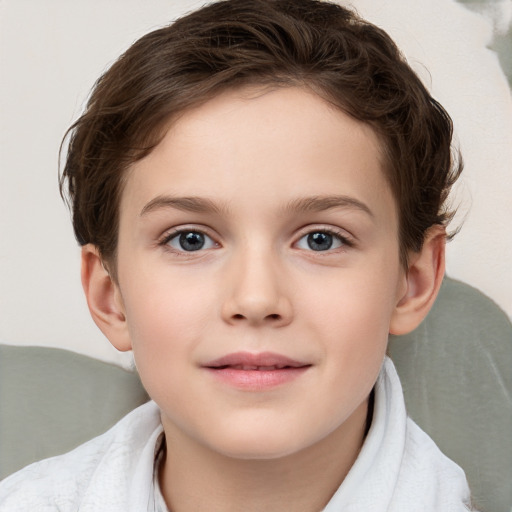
point(399, 468)
point(113, 472)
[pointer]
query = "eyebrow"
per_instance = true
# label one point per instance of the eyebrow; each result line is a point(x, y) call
point(322, 203)
point(187, 204)
point(300, 205)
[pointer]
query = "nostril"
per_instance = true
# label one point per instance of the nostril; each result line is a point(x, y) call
point(271, 317)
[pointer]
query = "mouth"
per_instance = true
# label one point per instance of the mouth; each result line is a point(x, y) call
point(247, 361)
point(249, 367)
point(256, 372)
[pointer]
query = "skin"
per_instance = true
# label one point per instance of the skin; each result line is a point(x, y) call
point(266, 170)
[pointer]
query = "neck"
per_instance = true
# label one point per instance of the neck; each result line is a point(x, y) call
point(194, 477)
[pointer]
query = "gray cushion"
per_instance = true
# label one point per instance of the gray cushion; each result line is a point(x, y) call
point(456, 371)
point(52, 400)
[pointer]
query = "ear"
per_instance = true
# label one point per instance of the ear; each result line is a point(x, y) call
point(104, 299)
point(423, 279)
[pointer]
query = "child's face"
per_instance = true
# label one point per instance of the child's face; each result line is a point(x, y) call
point(260, 232)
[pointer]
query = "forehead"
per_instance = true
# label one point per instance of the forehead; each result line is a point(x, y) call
point(259, 144)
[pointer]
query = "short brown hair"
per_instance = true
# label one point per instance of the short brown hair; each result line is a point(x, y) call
point(315, 44)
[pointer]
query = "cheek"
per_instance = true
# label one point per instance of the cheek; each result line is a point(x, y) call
point(166, 319)
point(354, 300)
point(351, 316)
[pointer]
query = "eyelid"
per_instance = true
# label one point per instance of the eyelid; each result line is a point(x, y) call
point(346, 238)
point(173, 232)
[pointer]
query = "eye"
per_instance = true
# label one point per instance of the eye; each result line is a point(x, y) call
point(189, 241)
point(321, 241)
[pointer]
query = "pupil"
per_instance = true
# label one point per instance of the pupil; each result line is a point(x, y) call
point(192, 241)
point(319, 241)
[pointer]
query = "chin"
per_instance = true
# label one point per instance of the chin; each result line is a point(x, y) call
point(256, 452)
point(248, 444)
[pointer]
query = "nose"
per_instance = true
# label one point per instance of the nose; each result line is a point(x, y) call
point(256, 291)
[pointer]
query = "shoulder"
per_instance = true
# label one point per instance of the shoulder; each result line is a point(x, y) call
point(427, 472)
point(91, 471)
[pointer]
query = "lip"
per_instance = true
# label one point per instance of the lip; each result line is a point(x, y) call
point(256, 372)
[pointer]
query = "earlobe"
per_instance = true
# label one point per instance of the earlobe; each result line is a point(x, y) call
point(104, 299)
point(424, 277)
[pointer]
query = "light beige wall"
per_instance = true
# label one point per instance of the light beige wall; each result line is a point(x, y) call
point(51, 52)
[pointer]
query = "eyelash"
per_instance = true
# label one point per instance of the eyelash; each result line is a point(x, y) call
point(344, 240)
point(168, 237)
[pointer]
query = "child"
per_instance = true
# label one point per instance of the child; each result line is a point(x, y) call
point(259, 193)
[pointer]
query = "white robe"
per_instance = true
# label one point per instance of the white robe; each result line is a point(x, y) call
point(399, 468)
